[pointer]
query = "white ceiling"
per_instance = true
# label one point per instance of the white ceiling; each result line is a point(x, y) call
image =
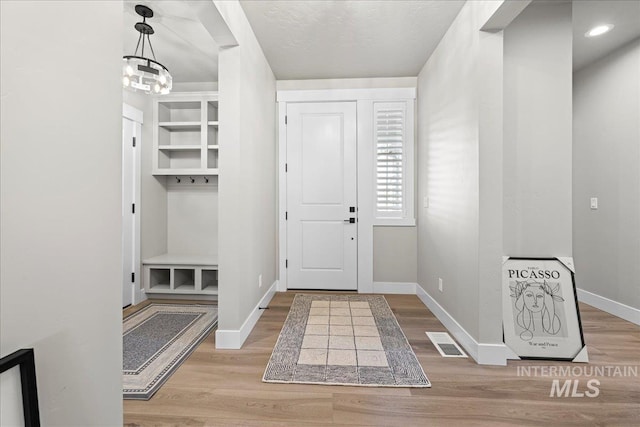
point(181, 43)
point(625, 15)
point(342, 39)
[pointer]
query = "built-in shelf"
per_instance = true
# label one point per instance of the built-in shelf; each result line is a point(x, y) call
point(179, 147)
point(186, 134)
point(169, 259)
point(181, 274)
point(181, 126)
point(186, 171)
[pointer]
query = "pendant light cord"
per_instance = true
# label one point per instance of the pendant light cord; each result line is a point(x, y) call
point(151, 47)
point(142, 37)
point(138, 45)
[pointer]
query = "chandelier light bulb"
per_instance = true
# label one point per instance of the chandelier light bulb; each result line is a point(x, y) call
point(125, 81)
point(129, 70)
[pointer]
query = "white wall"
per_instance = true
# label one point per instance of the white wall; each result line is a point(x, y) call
point(395, 254)
point(449, 88)
point(466, 160)
point(60, 196)
point(194, 87)
point(606, 154)
point(537, 132)
point(247, 182)
point(192, 218)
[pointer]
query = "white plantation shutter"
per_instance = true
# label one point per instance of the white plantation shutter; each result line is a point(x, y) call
point(390, 136)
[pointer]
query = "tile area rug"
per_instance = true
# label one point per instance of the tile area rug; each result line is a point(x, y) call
point(343, 340)
point(156, 340)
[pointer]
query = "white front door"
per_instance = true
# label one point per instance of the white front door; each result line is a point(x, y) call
point(321, 196)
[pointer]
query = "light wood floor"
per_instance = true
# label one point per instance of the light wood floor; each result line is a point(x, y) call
point(224, 387)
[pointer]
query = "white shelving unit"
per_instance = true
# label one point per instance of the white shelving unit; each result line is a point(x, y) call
point(186, 134)
point(181, 274)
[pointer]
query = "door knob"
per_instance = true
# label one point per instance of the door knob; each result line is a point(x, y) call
point(350, 220)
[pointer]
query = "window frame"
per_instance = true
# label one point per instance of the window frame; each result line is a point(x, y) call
point(407, 217)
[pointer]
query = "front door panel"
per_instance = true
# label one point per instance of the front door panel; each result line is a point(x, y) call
point(321, 189)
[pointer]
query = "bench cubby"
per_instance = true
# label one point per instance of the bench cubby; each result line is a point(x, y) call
point(181, 274)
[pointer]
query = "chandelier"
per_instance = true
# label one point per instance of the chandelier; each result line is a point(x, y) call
point(140, 73)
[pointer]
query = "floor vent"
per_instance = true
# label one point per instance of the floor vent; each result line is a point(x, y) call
point(446, 346)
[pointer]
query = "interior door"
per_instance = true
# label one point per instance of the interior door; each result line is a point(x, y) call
point(321, 196)
point(128, 210)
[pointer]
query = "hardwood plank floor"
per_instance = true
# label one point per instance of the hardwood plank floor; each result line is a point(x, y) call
point(224, 387)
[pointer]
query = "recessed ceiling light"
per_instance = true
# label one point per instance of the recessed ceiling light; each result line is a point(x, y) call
point(598, 30)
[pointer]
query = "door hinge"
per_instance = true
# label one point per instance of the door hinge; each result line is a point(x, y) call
point(286, 263)
point(286, 216)
point(285, 120)
point(134, 141)
point(133, 277)
point(286, 167)
point(133, 208)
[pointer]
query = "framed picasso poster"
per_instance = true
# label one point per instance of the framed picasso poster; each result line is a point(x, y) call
point(541, 319)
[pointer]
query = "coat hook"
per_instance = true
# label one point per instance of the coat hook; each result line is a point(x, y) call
point(192, 180)
point(177, 180)
point(206, 179)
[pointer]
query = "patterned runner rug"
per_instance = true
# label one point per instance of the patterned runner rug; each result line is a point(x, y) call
point(156, 340)
point(343, 340)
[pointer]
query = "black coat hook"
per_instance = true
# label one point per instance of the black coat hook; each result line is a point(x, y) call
point(192, 180)
point(177, 180)
point(206, 179)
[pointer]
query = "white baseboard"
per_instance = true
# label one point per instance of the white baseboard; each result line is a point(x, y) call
point(139, 296)
point(483, 354)
point(408, 288)
point(234, 338)
point(618, 309)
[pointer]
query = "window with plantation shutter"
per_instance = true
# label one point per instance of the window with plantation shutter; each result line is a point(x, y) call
point(393, 158)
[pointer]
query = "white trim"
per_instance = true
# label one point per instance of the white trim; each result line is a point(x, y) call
point(492, 354)
point(482, 353)
point(137, 116)
point(615, 308)
point(346, 94)
point(282, 195)
point(207, 95)
point(139, 294)
point(395, 222)
point(213, 22)
point(408, 216)
point(364, 113)
point(510, 354)
point(504, 15)
point(234, 338)
point(403, 288)
point(132, 113)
